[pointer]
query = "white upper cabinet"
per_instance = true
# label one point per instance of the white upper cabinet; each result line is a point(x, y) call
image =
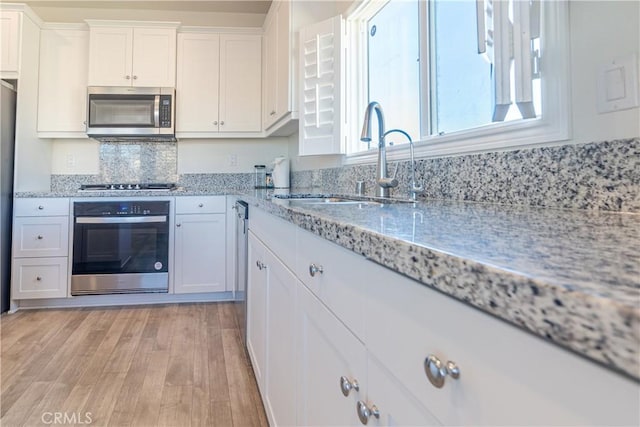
point(9, 41)
point(321, 88)
point(278, 78)
point(132, 56)
point(62, 89)
point(218, 86)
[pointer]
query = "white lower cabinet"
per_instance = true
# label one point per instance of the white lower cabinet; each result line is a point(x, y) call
point(418, 357)
point(200, 251)
point(39, 278)
point(271, 331)
point(326, 352)
point(200, 244)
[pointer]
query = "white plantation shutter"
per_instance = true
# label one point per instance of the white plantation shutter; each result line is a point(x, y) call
point(321, 88)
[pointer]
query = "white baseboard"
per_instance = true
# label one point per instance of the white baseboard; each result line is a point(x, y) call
point(122, 299)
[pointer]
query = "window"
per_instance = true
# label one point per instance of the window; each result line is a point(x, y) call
point(459, 76)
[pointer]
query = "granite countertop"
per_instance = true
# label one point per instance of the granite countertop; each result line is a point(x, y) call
point(180, 191)
point(570, 276)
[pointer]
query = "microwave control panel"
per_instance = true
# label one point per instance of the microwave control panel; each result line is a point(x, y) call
point(165, 111)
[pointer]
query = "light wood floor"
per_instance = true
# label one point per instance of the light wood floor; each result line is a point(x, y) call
point(169, 365)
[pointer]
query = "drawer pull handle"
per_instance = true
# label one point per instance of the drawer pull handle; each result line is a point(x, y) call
point(437, 371)
point(39, 279)
point(346, 386)
point(178, 225)
point(315, 269)
point(365, 412)
point(40, 237)
point(200, 205)
point(40, 207)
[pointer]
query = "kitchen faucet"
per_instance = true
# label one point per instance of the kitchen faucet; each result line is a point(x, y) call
point(384, 181)
point(414, 188)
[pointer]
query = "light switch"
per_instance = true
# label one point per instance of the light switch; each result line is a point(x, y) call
point(615, 84)
point(618, 84)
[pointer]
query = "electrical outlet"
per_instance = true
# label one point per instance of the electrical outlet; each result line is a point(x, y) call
point(71, 161)
point(232, 160)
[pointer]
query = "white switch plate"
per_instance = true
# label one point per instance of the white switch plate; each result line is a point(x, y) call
point(232, 159)
point(618, 84)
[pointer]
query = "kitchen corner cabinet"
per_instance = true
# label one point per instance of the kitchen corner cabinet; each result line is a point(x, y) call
point(200, 245)
point(62, 89)
point(9, 43)
point(218, 87)
point(132, 56)
point(40, 248)
point(396, 328)
point(278, 77)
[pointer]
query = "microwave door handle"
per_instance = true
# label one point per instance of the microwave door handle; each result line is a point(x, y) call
point(156, 112)
point(120, 220)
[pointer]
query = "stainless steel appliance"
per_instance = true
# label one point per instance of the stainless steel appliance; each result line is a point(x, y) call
point(120, 247)
point(131, 112)
point(242, 228)
point(129, 187)
point(7, 144)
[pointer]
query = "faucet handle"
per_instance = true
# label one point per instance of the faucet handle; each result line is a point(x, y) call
point(387, 182)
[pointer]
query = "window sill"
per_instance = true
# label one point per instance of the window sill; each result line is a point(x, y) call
point(495, 137)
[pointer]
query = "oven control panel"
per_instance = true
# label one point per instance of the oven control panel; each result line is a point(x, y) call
point(121, 208)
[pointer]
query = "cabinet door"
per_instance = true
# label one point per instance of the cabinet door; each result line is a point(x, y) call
point(269, 80)
point(197, 82)
point(257, 309)
point(280, 381)
point(33, 278)
point(62, 92)
point(9, 41)
point(395, 404)
point(110, 54)
point(200, 253)
point(154, 57)
point(240, 97)
point(283, 62)
point(326, 351)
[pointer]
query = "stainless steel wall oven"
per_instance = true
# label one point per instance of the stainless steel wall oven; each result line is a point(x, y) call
point(120, 247)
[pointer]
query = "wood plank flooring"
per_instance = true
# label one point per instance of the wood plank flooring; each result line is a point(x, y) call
point(162, 365)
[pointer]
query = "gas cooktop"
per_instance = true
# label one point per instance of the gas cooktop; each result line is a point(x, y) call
point(129, 187)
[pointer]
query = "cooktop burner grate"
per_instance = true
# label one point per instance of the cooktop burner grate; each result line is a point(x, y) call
point(129, 187)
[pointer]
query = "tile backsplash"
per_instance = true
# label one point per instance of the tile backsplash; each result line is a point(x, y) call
point(138, 162)
point(596, 176)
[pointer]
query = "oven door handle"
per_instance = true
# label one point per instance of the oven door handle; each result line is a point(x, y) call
point(120, 220)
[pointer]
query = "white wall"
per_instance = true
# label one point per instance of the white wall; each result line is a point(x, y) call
point(600, 32)
point(213, 156)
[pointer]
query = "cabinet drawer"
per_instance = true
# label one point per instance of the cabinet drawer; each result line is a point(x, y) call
point(41, 236)
point(200, 204)
point(41, 207)
point(342, 283)
point(277, 234)
point(507, 376)
point(39, 278)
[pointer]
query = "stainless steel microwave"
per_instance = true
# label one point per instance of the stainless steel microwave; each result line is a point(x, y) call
point(130, 112)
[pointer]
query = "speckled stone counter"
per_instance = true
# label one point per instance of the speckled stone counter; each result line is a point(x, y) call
point(570, 276)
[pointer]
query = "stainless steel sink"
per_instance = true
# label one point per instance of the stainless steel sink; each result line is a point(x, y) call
point(336, 200)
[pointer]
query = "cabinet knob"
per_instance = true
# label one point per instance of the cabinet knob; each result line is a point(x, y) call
point(260, 265)
point(365, 412)
point(135, 77)
point(127, 77)
point(222, 123)
point(315, 269)
point(39, 279)
point(84, 123)
point(273, 113)
point(40, 207)
point(178, 225)
point(346, 386)
point(437, 371)
point(40, 237)
point(200, 205)
point(215, 123)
